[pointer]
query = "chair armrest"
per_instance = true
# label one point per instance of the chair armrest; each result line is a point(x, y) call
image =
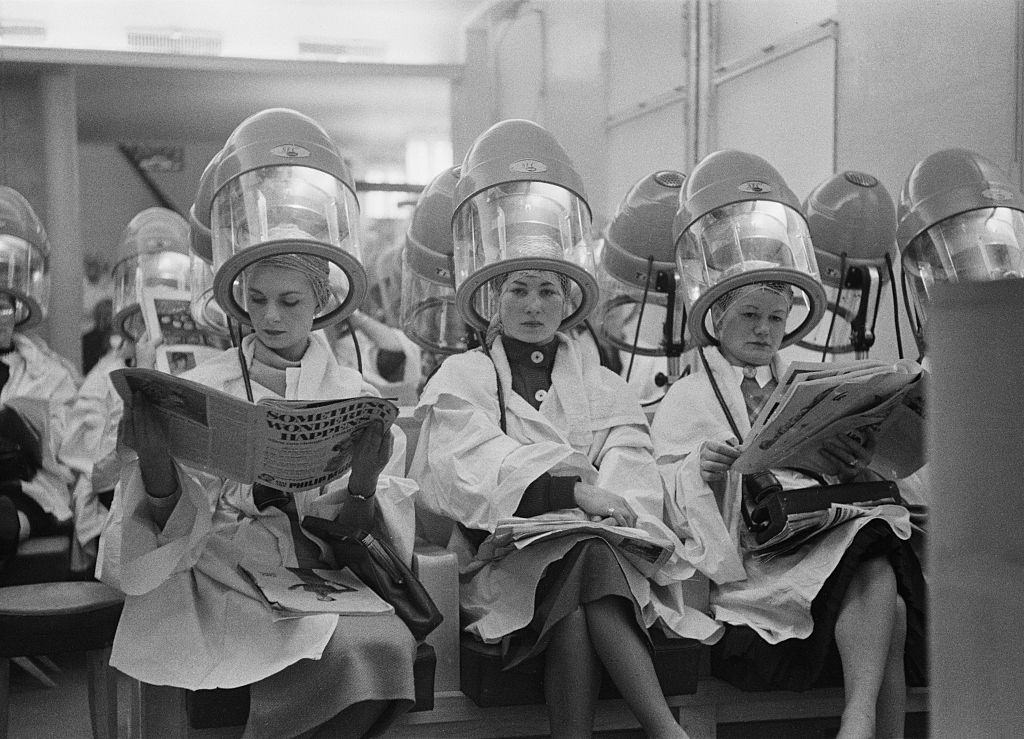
point(438, 570)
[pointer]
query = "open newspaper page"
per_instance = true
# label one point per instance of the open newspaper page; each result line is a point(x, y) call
point(816, 401)
point(180, 344)
point(289, 445)
point(647, 552)
point(292, 592)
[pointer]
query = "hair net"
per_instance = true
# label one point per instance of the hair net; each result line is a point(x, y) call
point(315, 268)
point(721, 306)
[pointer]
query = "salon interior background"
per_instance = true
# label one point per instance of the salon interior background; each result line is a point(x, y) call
point(404, 86)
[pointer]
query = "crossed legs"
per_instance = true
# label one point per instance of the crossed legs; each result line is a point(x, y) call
point(602, 632)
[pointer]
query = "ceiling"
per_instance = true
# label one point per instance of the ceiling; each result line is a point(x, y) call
point(368, 111)
point(371, 108)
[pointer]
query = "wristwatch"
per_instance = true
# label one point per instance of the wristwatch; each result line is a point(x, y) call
point(361, 497)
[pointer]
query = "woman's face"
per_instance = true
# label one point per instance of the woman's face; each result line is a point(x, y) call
point(752, 329)
point(282, 306)
point(531, 306)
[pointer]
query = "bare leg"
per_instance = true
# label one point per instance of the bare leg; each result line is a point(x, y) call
point(892, 698)
point(572, 677)
point(624, 654)
point(863, 635)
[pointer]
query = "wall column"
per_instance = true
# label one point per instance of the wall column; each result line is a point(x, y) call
point(63, 216)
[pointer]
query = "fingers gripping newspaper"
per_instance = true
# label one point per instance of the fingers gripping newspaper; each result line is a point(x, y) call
point(290, 445)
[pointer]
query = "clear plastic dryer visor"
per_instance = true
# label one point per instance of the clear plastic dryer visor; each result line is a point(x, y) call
point(518, 226)
point(25, 277)
point(205, 309)
point(287, 209)
point(626, 318)
point(147, 277)
point(975, 246)
point(744, 243)
point(430, 316)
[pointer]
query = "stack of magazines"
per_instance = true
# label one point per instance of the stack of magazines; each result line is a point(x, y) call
point(646, 551)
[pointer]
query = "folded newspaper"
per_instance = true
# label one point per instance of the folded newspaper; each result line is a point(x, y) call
point(289, 445)
point(815, 401)
point(646, 551)
point(292, 591)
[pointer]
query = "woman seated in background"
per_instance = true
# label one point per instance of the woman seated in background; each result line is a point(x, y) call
point(191, 619)
point(852, 598)
point(527, 426)
point(37, 388)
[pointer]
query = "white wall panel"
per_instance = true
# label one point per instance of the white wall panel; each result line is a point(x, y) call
point(783, 111)
point(644, 145)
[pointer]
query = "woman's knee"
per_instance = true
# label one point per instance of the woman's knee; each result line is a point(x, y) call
point(876, 574)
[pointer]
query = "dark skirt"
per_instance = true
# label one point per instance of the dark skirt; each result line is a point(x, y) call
point(368, 658)
point(742, 658)
point(588, 572)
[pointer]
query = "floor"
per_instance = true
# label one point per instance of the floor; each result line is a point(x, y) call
point(62, 712)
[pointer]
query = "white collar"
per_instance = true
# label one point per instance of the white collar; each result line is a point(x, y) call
point(763, 374)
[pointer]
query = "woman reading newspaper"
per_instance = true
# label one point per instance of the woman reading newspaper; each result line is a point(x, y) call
point(847, 602)
point(838, 603)
point(531, 427)
point(191, 619)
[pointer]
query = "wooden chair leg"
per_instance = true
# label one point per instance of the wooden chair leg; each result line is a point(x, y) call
point(102, 694)
point(32, 669)
point(157, 712)
point(5, 695)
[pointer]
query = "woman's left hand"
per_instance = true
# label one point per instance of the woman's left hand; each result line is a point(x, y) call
point(603, 505)
point(371, 452)
point(851, 454)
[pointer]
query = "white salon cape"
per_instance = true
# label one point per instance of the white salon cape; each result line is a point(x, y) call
point(42, 387)
point(190, 619)
point(89, 448)
point(773, 598)
point(589, 424)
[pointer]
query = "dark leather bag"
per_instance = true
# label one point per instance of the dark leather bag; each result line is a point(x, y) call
point(767, 506)
point(375, 563)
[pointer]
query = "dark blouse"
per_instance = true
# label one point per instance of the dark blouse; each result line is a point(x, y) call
point(531, 366)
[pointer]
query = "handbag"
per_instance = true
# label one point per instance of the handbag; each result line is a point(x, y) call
point(375, 563)
point(767, 507)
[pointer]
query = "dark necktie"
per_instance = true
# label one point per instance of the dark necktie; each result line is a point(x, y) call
point(755, 396)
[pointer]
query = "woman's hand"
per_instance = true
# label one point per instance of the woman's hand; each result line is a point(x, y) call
point(850, 453)
point(371, 452)
point(601, 505)
point(716, 457)
point(142, 430)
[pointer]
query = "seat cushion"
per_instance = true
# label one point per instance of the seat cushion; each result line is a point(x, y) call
point(54, 617)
